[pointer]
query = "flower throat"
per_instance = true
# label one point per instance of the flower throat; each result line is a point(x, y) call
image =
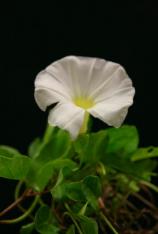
point(84, 102)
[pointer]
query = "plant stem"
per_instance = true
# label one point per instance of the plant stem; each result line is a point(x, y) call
point(69, 213)
point(16, 196)
point(146, 202)
point(20, 218)
point(14, 204)
point(150, 185)
point(74, 221)
point(108, 223)
point(17, 189)
point(84, 126)
point(17, 193)
point(47, 133)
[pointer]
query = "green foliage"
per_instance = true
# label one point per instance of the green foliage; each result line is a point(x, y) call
point(91, 146)
point(34, 148)
point(27, 229)
point(48, 157)
point(122, 145)
point(45, 223)
point(125, 184)
point(71, 230)
point(138, 170)
point(40, 175)
point(88, 225)
point(145, 153)
point(122, 141)
point(92, 190)
point(71, 190)
point(82, 223)
point(77, 173)
point(93, 184)
point(14, 166)
point(6, 150)
point(81, 191)
point(57, 145)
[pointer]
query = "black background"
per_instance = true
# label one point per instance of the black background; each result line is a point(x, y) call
point(35, 35)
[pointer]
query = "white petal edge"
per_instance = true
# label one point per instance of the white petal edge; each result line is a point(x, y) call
point(45, 98)
point(48, 90)
point(117, 81)
point(113, 111)
point(81, 74)
point(68, 117)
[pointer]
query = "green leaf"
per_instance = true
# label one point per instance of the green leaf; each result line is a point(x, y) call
point(8, 151)
point(49, 156)
point(145, 153)
point(71, 230)
point(125, 184)
point(79, 191)
point(123, 140)
point(92, 146)
point(58, 145)
point(123, 143)
point(71, 190)
point(83, 209)
point(34, 148)
point(138, 170)
point(93, 183)
point(40, 175)
point(45, 223)
point(15, 167)
point(74, 191)
point(81, 143)
point(88, 225)
point(59, 192)
point(91, 188)
point(27, 229)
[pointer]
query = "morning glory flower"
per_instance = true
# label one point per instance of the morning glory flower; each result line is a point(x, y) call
point(82, 86)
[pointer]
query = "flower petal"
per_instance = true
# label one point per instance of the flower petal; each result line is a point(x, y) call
point(44, 98)
point(113, 110)
point(67, 116)
point(113, 96)
point(116, 82)
point(80, 75)
point(48, 90)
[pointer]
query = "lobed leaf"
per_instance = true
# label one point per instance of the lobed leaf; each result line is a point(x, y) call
point(123, 141)
point(15, 167)
point(40, 175)
point(92, 146)
point(45, 223)
point(88, 225)
point(59, 145)
point(145, 153)
point(8, 151)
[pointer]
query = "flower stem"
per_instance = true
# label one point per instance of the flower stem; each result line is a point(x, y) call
point(47, 134)
point(108, 223)
point(22, 217)
point(84, 126)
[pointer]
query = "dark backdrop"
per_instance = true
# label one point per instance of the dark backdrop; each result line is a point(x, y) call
point(33, 36)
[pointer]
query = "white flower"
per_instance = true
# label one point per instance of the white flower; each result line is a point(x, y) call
point(82, 85)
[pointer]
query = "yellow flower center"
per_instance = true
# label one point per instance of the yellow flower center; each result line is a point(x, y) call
point(84, 102)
